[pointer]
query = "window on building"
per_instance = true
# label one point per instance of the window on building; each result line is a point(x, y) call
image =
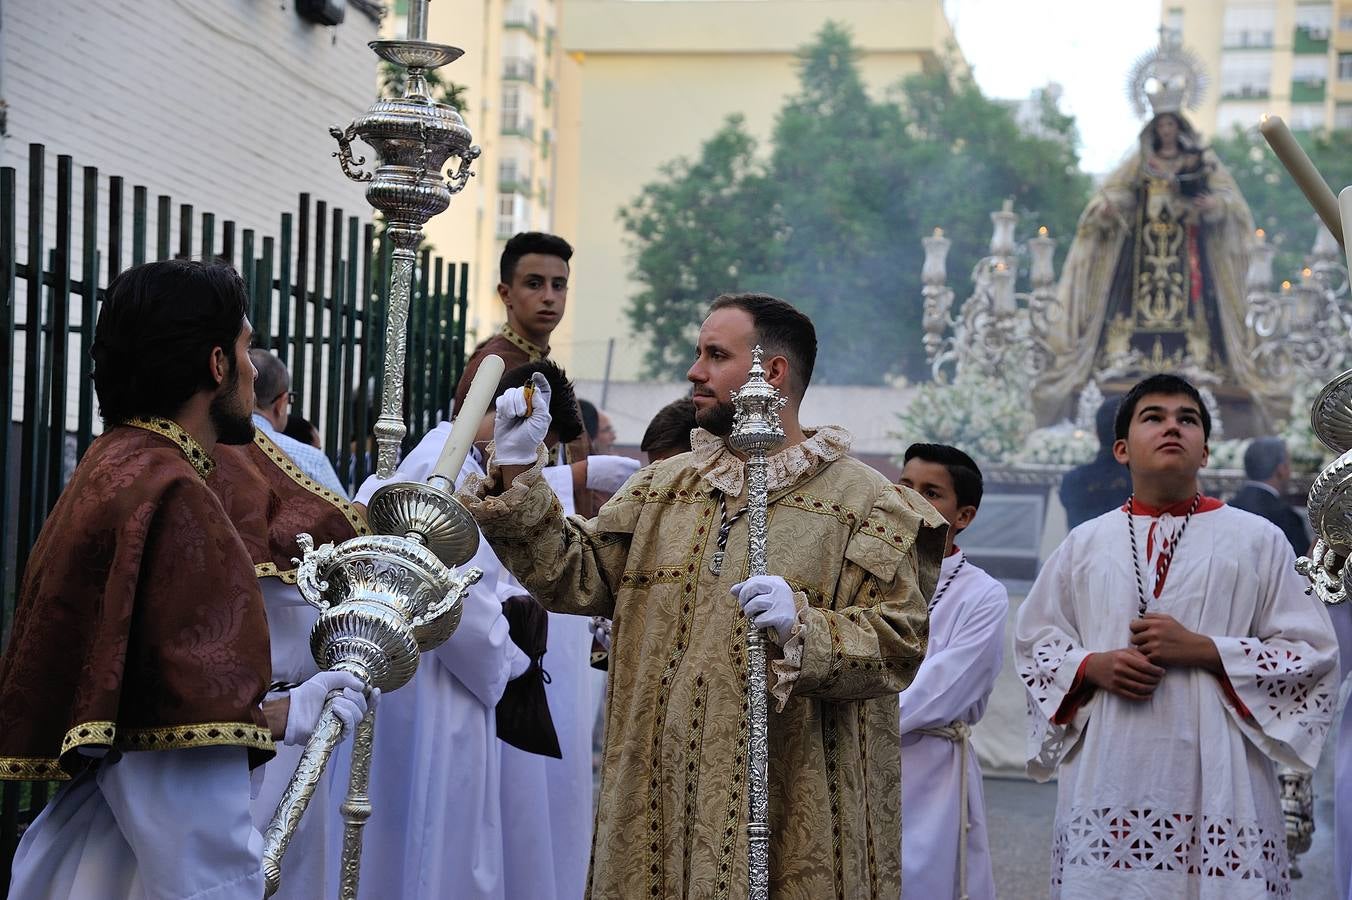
point(1342, 116)
point(1311, 69)
point(1345, 23)
point(1307, 116)
point(1316, 19)
point(1248, 26)
point(1246, 74)
point(506, 215)
point(1345, 66)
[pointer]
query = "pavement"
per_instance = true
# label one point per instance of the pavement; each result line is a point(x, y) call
point(1019, 817)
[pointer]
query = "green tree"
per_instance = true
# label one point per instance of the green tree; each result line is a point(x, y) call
point(833, 219)
point(707, 227)
point(1278, 206)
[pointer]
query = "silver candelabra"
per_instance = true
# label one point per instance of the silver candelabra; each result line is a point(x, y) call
point(386, 598)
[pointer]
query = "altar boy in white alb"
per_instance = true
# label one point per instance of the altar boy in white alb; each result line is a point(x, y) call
point(1171, 658)
point(944, 850)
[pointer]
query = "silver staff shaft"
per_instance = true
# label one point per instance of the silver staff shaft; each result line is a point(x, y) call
point(298, 794)
point(758, 757)
point(356, 809)
point(756, 431)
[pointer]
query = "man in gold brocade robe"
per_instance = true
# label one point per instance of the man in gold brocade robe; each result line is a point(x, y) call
point(854, 560)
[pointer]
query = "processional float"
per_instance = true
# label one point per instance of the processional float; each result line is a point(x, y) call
point(387, 597)
point(1330, 500)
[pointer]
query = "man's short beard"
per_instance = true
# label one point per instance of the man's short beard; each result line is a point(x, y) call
point(716, 420)
point(232, 426)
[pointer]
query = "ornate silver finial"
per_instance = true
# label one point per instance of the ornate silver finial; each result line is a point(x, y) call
point(755, 421)
point(1167, 78)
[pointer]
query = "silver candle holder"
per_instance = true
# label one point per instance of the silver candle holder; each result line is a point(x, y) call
point(388, 597)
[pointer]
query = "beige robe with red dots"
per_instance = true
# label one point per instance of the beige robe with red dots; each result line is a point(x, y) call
point(863, 556)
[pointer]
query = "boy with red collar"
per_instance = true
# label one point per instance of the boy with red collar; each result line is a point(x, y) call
point(1171, 657)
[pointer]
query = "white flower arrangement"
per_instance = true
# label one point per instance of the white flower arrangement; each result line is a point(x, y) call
point(1063, 444)
point(1308, 454)
point(986, 417)
point(1228, 454)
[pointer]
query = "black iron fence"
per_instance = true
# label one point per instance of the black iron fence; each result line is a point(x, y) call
point(318, 290)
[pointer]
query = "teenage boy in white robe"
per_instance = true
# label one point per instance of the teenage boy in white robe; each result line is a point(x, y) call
point(944, 849)
point(1172, 658)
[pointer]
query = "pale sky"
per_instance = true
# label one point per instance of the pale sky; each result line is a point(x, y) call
point(1088, 46)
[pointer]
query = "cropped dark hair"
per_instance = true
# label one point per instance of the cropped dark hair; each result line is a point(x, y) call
point(670, 428)
point(155, 333)
point(591, 418)
point(1169, 386)
point(531, 242)
point(566, 420)
point(272, 381)
point(781, 330)
point(968, 484)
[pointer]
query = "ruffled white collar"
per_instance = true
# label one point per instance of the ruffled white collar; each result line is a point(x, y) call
point(721, 468)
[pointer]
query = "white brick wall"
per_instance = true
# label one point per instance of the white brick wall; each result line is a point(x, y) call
point(224, 105)
point(221, 104)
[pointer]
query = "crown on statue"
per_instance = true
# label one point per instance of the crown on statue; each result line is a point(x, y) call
point(1166, 79)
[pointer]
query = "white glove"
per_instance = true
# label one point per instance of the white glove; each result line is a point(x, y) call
point(767, 600)
point(609, 473)
point(307, 702)
point(600, 629)
point(515, 437)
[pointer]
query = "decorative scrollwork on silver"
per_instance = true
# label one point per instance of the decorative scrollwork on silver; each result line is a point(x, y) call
point(345, 137)
point(312, 587)
point(456, 183)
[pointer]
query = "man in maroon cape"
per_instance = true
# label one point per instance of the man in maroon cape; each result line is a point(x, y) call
point(140, 626)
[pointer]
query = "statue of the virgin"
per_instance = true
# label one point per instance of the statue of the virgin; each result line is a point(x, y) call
point(1154, 280)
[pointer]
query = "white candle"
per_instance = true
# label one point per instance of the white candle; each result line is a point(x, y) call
point(1345, 204)
point(1303, 172)
point(468, 417)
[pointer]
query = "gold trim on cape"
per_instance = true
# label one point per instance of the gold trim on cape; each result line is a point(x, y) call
point(175, 432)
point(534, 352)
point(108, 735)
point(285, 463)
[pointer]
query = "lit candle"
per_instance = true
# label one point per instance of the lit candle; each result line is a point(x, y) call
point(1260, 236)
point(1003, 277)
point(1306, 176)
point(1286, 287)
point(935, 269)
point(1259, 277)
point(468, 418)
point(1041, 248)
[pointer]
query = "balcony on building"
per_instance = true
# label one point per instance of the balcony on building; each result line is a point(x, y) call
point(514, 177)
point(518, 126)
point(518, 69)
point(519, 17)
point(1310, 41)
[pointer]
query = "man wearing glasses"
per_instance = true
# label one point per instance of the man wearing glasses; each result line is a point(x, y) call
point(272, 396)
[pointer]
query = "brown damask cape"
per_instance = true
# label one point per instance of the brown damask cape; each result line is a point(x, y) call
point(270, 501)
point(863, 556)
point(139, 623)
